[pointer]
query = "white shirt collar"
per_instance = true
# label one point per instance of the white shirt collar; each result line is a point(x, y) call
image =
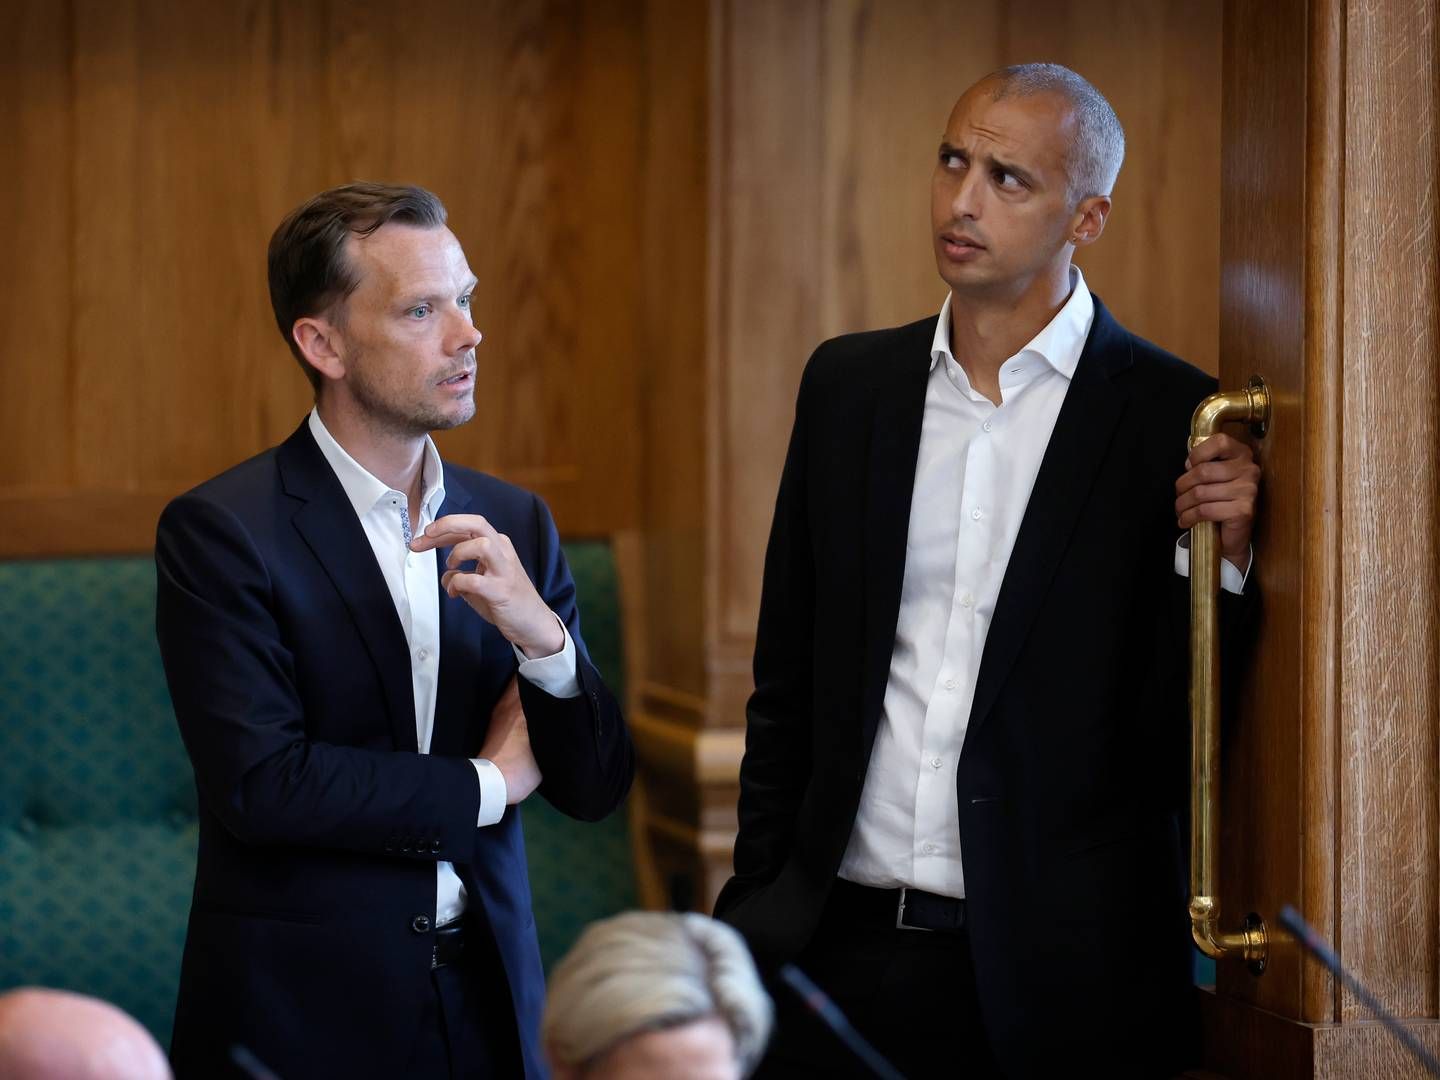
point(1058, 345)
point(362, 487)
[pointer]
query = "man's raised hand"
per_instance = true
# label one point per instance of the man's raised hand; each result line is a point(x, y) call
point(497, 586)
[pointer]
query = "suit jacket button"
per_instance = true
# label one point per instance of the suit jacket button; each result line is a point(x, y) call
point(420, 924)
point(435, 846)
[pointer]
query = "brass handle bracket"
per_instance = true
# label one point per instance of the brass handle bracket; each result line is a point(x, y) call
point(1250, 406)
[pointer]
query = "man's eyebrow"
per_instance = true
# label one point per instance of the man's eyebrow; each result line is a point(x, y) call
point(430, 296)
point(1013, 170)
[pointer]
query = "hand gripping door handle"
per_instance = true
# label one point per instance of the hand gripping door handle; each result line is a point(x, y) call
point(1250, 406)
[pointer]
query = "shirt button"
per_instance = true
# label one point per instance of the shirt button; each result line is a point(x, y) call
point(986, 425)
point(976, 514)
point(935, 762)
point(424, 654)
point(928, 849)
point(967, 601)
point(949, 684)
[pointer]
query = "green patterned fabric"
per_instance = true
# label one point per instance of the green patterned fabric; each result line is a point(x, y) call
point(97, 802)
point(97, 806)
point(580, 872)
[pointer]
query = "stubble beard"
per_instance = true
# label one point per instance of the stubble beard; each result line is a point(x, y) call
point(408, 419)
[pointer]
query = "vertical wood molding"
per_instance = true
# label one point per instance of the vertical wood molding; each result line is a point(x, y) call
point(1321, 507)
point(1388, 694)
point(1332, 794)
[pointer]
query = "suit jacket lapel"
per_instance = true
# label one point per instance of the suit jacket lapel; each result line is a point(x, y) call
point(1083, 431)
point(890, 476)
point(328, 524)
point(457, 623)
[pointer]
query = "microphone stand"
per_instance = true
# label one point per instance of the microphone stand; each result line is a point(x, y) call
point(819, 1003)
point(1315, 945)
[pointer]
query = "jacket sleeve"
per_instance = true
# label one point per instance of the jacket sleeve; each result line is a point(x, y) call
point(232, 681)
point(580, 743)
point(777, 765)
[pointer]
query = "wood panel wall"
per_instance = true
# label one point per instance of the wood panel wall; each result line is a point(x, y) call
point(152, 146)
point(1330, 291)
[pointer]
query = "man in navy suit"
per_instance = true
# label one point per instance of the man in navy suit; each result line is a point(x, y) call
point(374, 656)
point(966, 751)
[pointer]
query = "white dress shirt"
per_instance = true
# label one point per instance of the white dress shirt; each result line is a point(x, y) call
point(413, 581)
point(976, 468)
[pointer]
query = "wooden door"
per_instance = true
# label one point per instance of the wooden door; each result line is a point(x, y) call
point(1328, 288)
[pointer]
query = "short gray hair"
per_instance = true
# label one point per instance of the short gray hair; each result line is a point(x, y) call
point(1099, 147)
point(649, 971)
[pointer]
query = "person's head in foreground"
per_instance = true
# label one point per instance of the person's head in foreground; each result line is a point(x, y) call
point(57, 1035)
point(656, 994)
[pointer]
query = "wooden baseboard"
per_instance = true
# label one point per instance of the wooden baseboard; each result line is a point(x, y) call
point(1246, 1043)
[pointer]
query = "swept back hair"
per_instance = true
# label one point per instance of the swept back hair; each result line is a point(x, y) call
point(308, 268)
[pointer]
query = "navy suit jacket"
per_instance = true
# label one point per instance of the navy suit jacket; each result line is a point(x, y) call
point(1072, 781)
point(320, 825)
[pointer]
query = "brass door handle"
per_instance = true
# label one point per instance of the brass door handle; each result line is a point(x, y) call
point(1252, 406)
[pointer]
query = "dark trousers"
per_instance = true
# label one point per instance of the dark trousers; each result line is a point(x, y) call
point(910, 993)
point(467, 1030)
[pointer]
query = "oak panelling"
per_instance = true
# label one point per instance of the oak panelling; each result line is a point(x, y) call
point(107, 349)
point(674, 267)
point(766, 249)
point(36, 327)
point(1389, 693)
point(1330, 291)
point(1262, 329)
point(1320, 484)
point(157, 144)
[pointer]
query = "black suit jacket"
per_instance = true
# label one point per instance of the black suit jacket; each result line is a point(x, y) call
point(1072, 781)
point(320, 824)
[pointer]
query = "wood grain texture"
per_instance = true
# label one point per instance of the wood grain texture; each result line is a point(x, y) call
point(157, 145)
point(674, 270)
point(1389, 695)
point(36, 216)
point(1262, 329)
point(1330, 291)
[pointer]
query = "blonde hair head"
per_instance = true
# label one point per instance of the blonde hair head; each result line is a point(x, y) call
point(648, 971)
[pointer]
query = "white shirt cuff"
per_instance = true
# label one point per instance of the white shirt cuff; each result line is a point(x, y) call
point(492, 791)
point(555, 674)
point(1231, 580)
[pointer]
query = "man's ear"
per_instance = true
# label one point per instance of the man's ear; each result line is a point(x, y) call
point(318, 338)
point(1090, 218)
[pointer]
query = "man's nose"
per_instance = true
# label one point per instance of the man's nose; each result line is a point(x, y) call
point(968, 195)
point(463, 334)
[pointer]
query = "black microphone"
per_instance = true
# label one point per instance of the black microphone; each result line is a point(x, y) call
point(1315, 945)
point(819, 1003)
point(249, 1064)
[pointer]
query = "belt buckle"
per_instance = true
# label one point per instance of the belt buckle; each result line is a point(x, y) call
point(900, 923)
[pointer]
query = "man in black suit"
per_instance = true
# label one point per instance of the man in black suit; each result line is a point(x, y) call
point(361, 737)
point(967, 746)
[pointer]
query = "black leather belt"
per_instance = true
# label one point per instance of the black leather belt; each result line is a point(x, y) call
point(449, 945)
point(904, 909)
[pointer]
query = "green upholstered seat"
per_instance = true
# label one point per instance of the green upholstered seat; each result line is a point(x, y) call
point(97, 802)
